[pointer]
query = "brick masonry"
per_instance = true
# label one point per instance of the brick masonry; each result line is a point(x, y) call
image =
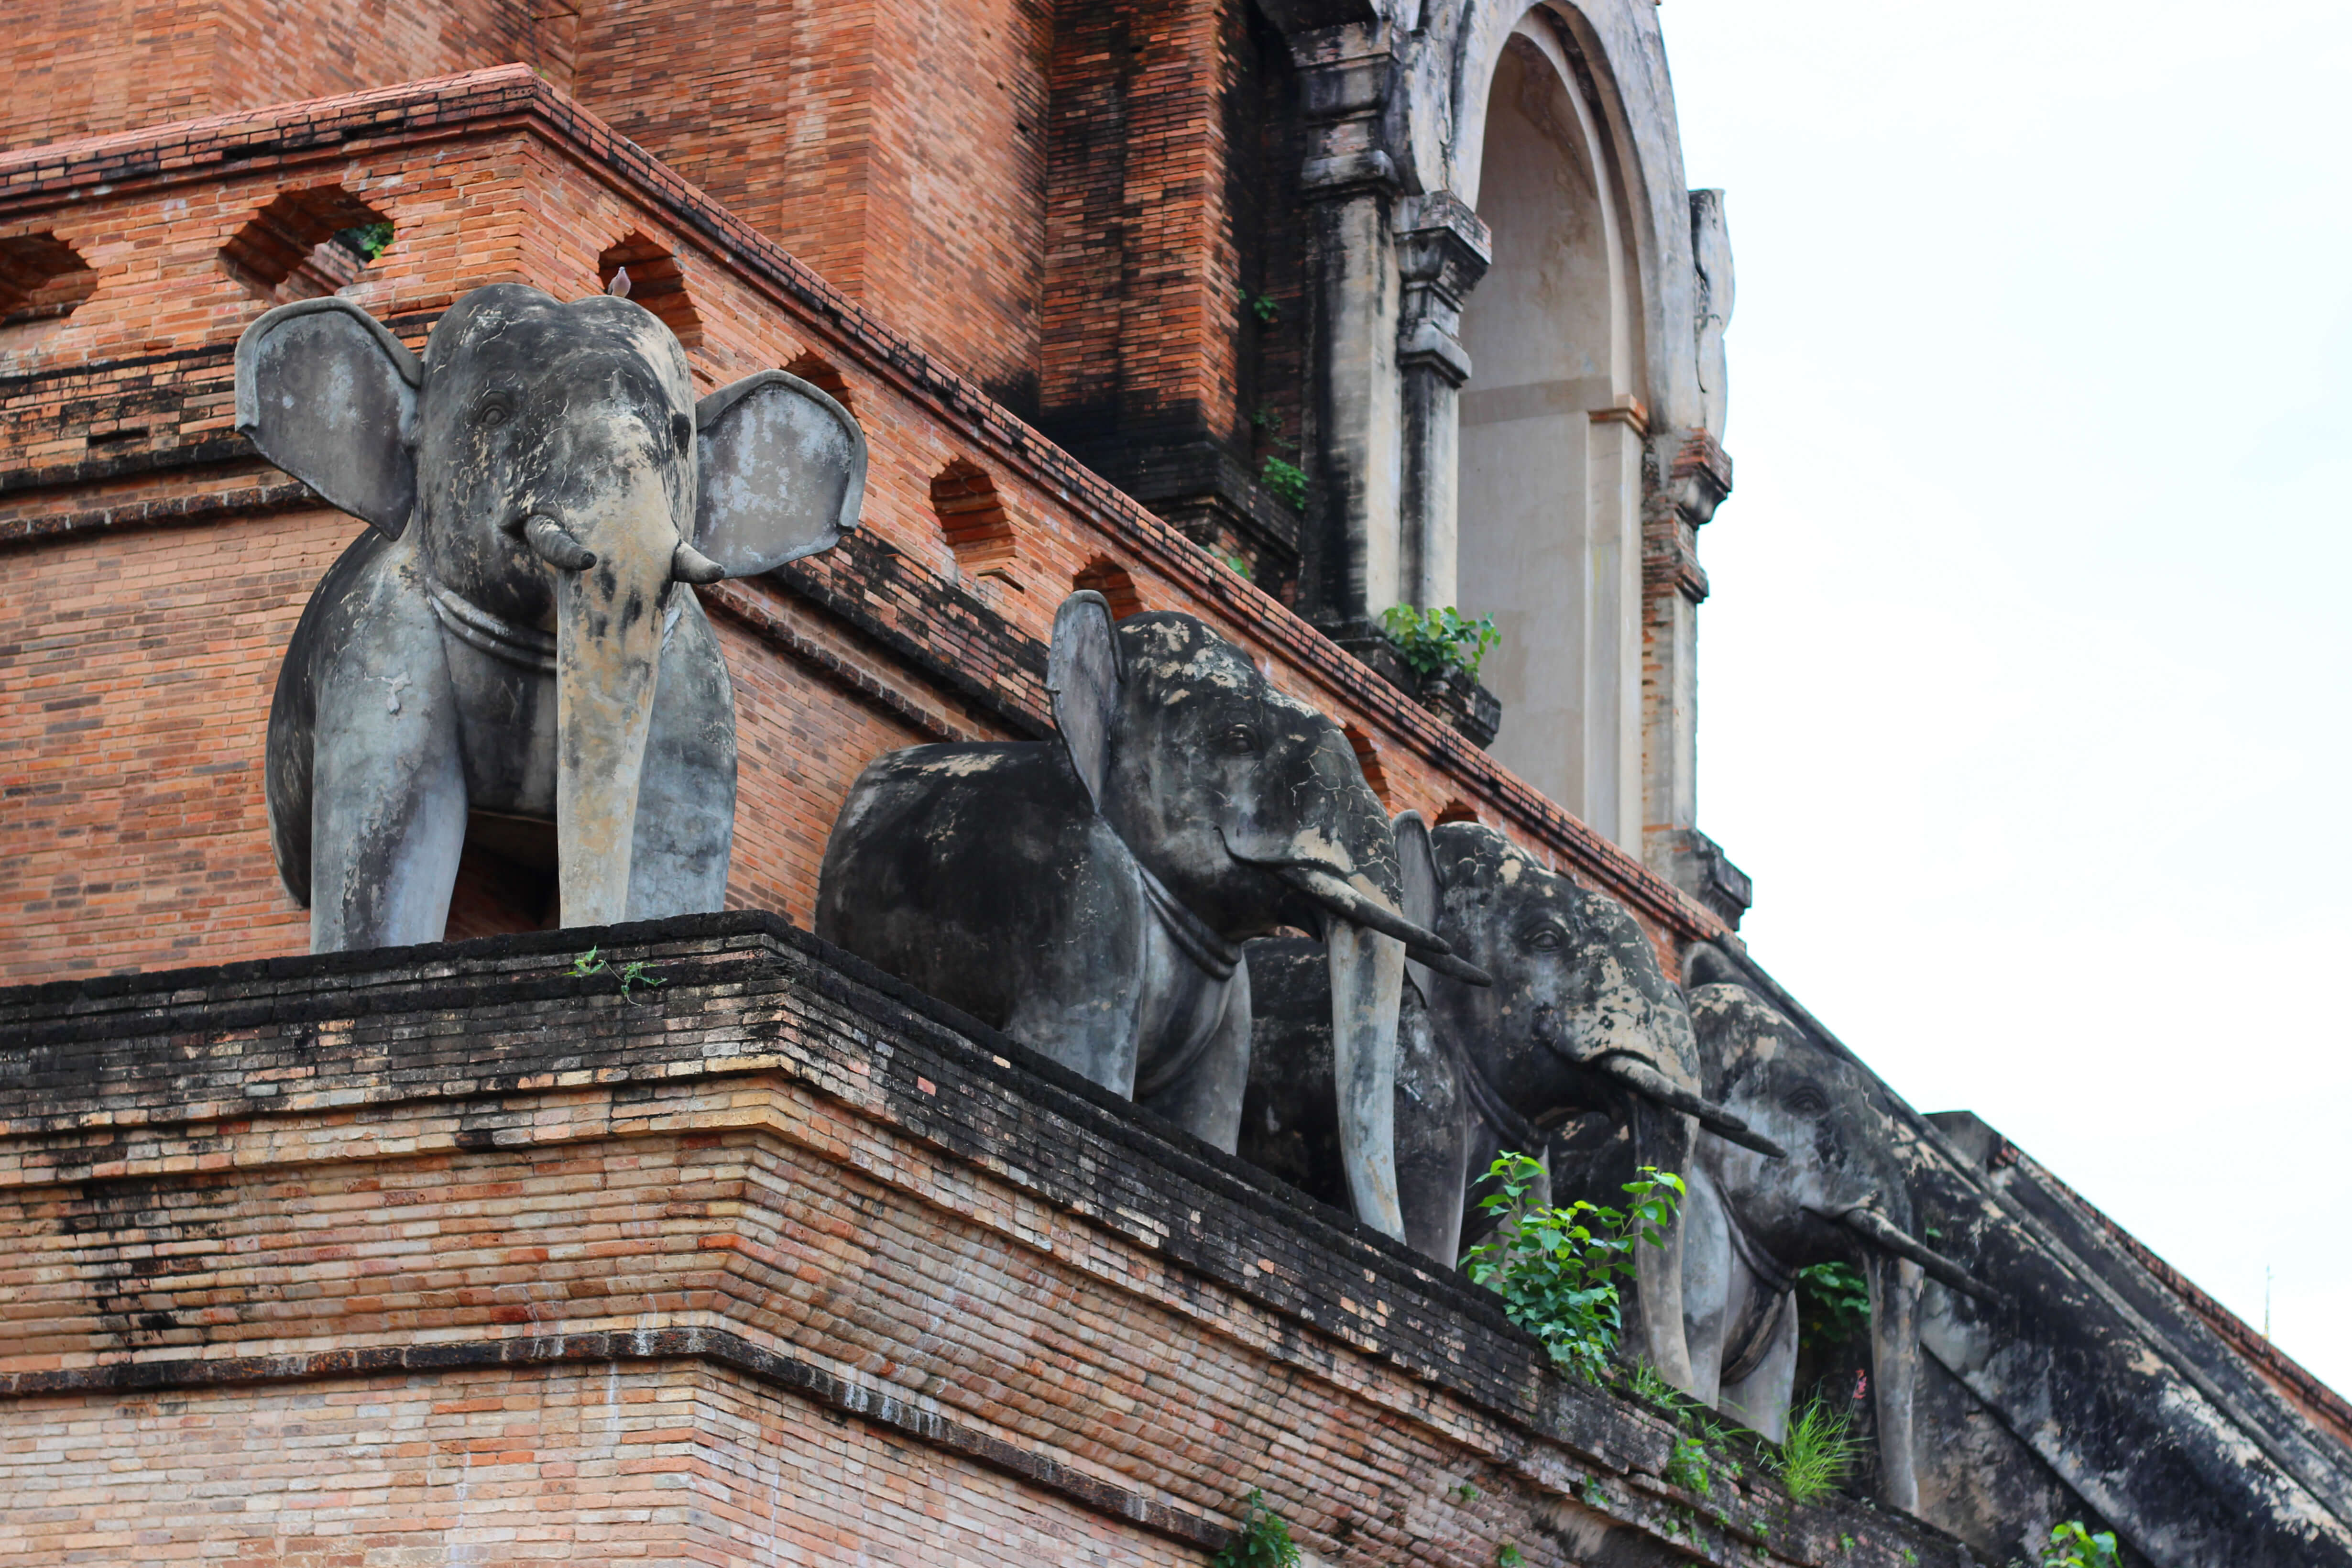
point(157, 566)
point(370, 1256)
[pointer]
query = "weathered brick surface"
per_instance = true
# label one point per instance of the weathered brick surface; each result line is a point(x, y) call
point(420, 1184)
point(494, 175)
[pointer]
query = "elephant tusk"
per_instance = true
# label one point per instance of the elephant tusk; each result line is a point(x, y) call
point(1335, 896)
point(688, 564)
point(1882, 1232)
point(551, 543)
point(1447, 963)
point(1646, 1081)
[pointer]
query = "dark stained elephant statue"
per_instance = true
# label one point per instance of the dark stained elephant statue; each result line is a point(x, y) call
point(1842, 1196)
point(1579, 1021)
point(1090, 896)
point(509, 642)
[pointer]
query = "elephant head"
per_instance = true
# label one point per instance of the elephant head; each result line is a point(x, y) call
point(1250, 808)
point(1843, 1195)
point(547, 473)
point(1579, 1017)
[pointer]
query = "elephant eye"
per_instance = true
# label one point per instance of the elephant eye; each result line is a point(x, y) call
point(1806, 1100)
point(1238, 740)
point(493, 412)
point(1544, 939)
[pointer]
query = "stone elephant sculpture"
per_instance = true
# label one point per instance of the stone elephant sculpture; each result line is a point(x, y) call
point(1842, 1196)
point(508, 641)
point(1089, 896)
point(1579, 1019)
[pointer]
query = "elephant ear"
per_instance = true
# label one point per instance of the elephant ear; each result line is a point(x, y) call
point(1084, 671)
point(329, 395)
point(1423, 894)
point(782, 473)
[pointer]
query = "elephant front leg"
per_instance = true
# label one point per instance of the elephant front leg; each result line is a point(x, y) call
point(388, 796)
point(1204, 1096)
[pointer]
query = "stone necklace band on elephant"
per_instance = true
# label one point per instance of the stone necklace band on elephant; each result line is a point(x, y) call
point(525, 648)
point(1217, 958)
point(1759, 1323)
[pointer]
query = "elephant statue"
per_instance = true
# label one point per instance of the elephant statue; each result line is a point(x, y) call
point(1089, 895)
point(1578, 1021)
point(1749, 1224)
point(506, 648)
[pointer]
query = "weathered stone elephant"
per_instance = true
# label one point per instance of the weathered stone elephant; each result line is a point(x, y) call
point(1089, 897)
point(1842, 1196)
point(507, 640)
point(1579, 1018)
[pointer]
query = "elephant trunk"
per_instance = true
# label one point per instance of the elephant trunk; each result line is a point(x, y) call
point(609, 615)
point(1894, 1286)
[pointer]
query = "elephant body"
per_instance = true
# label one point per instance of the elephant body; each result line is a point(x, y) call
point(1091, 896)
point(1580, 1025)
point(1841, 1195)
point(982, 875)
point(515, 641)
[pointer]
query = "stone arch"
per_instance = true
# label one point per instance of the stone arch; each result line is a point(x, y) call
point(1112, 580)
point(1368, 757)
point(42, 279)
point(305, 243)
point(655, 281)
point(821, 374)
point(1552, 425)
point(978, 526)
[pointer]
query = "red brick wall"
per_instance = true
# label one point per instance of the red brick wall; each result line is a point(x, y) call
point(896, 146)
point(1142, 288)
point(83, 68)
point(667, 1462)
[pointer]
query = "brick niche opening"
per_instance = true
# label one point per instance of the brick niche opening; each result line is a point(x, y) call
point(1111, 579)
point(305, 243)
point(42, 279)
point(655, 282)
point(1369, 758)
point(821, 374)
point(1455, 811)
point(979, 528)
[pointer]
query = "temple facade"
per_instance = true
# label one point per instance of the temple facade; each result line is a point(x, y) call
point(1275, 319)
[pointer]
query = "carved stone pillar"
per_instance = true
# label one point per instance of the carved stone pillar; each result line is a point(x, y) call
point(1688, 477)
point(1353, 568)
point(1443, 250)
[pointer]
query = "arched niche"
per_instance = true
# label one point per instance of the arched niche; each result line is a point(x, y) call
point(1550, 437)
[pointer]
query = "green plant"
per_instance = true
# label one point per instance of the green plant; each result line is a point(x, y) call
point(1691, 1466)
point(1833, 1304)
point(1556, 1267)
point(1435, 641)
point(1262, 1541)
point(1239, 566)
point(630, 976)
point(1507, 1556)
point(367, 241)
point(1819, 1451)
point(1466, 1494)
point(1264, 308)
point(2071, 1546)
point(1287, 480)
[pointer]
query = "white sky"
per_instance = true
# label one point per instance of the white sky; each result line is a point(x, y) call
point(2024, 684)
